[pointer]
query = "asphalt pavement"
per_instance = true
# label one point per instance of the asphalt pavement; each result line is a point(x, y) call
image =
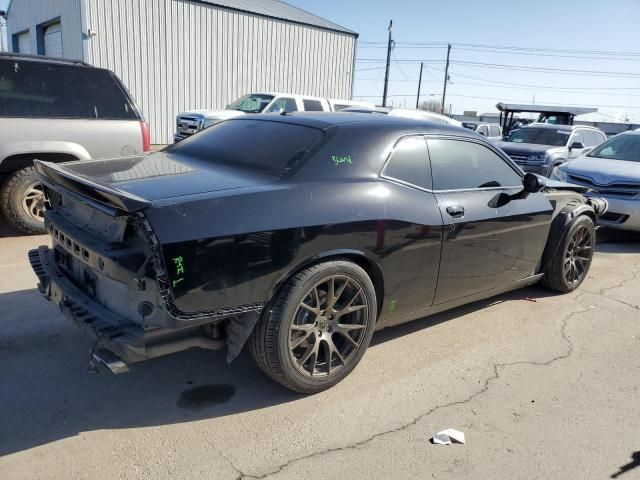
point(543, 385)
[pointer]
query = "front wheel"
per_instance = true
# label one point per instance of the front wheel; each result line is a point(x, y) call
point(22, 201)
point(318, 328)
point(570, 264)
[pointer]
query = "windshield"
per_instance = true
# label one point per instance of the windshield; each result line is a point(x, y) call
point(251, 103)
point(621, 147)
point(540, 136)
point(271, 148)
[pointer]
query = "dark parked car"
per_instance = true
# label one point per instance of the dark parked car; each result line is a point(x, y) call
point(300, 235)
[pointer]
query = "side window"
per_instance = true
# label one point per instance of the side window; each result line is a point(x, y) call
point(590, 139)
point(577, 137)
point(483, 130)
point(494, 131)
point(409, 163)
point(457, 165)
point(289, 105)
point(312, 105)
point(600, 138)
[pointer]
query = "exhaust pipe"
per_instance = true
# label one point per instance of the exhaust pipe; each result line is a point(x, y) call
point(116, 365)
point(110, 360)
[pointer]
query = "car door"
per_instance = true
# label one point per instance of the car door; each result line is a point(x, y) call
point(495, 133)
point(483, 130)
point(289, 104)
point(410, 252)
point(489, 239)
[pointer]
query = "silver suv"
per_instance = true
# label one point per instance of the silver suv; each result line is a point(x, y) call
point(58, 110)
point(541, 147)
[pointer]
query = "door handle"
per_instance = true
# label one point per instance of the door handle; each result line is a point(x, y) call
point(456, 211)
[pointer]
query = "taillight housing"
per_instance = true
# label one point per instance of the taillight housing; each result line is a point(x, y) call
point(146, 138)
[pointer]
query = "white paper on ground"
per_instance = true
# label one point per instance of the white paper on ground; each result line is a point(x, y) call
point(445, 437)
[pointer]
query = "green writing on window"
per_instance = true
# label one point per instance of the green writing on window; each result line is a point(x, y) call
point(341, 160)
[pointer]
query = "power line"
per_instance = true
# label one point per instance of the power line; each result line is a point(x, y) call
point(505, 100)
point(555, 50)
point(548, 89)
point(554, 55)
point(538, 86)
point(514, 48)
point(367, 69)
point(597, 73)
point(378, 60)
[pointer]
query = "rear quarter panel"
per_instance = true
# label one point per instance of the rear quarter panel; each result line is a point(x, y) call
point(238, 250)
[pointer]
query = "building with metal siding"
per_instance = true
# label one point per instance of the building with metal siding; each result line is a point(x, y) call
point(178, 55)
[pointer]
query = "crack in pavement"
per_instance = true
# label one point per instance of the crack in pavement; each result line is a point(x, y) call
point(485, 387)
point(600, 292)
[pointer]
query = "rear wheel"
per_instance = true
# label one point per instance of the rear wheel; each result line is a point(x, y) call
point(319, 327)
point(570, 264)
point(22, 201)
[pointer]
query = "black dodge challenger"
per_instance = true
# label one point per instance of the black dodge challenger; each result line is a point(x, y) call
point(299, 235)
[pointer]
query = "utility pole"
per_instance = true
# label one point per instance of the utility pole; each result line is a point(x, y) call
point(419, 84)
point(446, 79)
point(386, 73)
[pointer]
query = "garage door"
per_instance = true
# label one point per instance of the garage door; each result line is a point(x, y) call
point(53, 40)
point(24, 43)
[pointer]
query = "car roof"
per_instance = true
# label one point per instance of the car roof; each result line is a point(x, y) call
point(325, 120)
point(41, 59)
point(568, 128)
point(296, 96)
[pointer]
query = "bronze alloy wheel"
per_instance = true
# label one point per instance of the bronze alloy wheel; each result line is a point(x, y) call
point(328, 326)
point(578, 255)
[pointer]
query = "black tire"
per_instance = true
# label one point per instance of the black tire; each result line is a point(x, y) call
point(570, 264)
point(16, 206)
point(271, 343)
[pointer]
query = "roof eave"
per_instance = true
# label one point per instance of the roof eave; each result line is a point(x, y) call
point(344, 31)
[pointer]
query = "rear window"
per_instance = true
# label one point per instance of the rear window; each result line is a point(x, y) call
point(41, 90)
point(312, 105)
point(272, 148)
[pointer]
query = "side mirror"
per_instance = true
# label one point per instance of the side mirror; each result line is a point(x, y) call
point(483, 134)
point(532, 183)
point(576, 145)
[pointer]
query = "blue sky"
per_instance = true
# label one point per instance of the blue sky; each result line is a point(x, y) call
point(584, 25)
point(587, 25)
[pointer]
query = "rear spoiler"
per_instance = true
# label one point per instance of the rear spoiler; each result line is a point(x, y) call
point(56, 176)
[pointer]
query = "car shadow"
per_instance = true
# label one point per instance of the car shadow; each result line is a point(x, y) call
point(609, 240)
point(7, 230)
point(47, 392)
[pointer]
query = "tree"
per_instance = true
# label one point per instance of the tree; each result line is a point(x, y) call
point(430, 105)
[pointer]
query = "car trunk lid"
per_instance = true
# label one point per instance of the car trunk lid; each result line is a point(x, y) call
point(132, 184)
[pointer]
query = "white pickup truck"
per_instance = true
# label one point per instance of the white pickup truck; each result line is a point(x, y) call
point(188, 123)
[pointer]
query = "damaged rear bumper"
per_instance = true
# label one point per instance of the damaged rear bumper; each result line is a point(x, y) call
point(121, 341)
point(125, 339)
